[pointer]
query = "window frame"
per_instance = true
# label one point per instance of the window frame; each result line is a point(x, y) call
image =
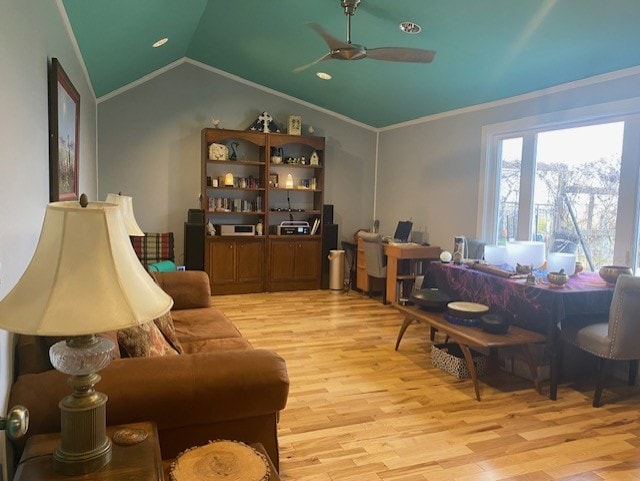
point(627, 222)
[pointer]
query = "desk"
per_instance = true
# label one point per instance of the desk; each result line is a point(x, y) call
point(396, 253)
point(540, 308)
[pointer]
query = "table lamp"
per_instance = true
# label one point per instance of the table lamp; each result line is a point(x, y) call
point(84, 279)
point(126, 206)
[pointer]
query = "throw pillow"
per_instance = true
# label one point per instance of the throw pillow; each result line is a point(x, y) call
point(144, 340)
point(165, 324)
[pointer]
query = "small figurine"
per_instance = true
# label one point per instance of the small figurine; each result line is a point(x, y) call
point(210, 229)
point(259, 228)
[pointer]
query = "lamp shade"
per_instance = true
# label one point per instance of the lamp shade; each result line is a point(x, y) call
point(84, 277)
point(126, 205)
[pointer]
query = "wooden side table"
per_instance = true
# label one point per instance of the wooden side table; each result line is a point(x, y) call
point(141, 461)
point(273, 473)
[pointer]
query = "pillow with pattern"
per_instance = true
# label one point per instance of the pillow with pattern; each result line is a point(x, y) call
point(144, 340)
point(165, 324)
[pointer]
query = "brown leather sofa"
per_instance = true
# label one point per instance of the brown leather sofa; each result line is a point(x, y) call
point(219, 388)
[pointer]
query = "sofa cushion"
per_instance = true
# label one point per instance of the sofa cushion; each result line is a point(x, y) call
point(209, 345)
point(202, 324)
point(144, 340)
point(165, 324)
point(188, 289)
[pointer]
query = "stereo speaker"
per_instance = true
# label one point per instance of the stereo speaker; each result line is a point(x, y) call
point(195, 216)
point(194, 246)
point(329, 242)
point(327, 214)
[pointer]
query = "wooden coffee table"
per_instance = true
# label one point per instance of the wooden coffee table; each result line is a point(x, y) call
point(466, 336)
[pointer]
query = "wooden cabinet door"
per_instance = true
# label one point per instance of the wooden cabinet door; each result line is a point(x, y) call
point(282, 261)
point(250, 260)
point(222, 262)
point(307, 254)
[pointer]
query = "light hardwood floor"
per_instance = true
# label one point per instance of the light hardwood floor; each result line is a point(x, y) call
point(358, 410)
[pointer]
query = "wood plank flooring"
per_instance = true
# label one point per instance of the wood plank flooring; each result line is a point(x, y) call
point(358, 410)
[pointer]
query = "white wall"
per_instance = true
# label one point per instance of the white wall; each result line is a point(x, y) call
point(429, 171)
point(31, 33)
point(150, 146)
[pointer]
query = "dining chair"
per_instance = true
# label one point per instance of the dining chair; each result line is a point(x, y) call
point(616, 339)
point(375, 260)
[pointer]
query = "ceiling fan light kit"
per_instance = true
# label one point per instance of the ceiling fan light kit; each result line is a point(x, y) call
point(339, 50)
point(410, 27)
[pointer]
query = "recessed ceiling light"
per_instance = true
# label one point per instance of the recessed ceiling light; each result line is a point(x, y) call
point(410, 27)
point(324, 76)
point(160, 42)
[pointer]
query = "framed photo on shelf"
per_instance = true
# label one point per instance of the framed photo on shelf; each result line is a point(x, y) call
point(294, 125)
point(273, 180)
point(64, 135)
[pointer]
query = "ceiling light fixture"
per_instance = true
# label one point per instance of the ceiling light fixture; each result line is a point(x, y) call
point(160, 42)
point(410, 27)
point(324, 76)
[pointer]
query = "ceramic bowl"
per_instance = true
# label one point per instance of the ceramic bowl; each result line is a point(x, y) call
point(494, 324)
point(610, 274)
point(557, 279)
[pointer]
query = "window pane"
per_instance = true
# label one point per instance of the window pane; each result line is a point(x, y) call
point(576, 191)
point(509, 194)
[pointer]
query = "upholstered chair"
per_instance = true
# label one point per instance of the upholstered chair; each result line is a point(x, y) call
point(614, 340)
point(375, 260)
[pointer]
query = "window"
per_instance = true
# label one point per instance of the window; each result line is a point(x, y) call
point(572, 184)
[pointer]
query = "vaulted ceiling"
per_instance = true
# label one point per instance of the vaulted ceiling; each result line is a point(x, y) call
point(486, 49)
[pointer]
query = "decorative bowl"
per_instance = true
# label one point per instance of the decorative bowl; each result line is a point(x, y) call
point(467, 310)
point(557, 279)
point(610, 274)
point(521, 269)
point(494, 324)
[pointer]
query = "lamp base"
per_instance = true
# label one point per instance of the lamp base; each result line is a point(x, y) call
point(85, 446)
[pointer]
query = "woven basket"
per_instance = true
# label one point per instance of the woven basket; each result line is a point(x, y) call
point(450, 359)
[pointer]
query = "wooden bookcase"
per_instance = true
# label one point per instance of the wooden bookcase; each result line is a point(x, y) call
point(259, 194)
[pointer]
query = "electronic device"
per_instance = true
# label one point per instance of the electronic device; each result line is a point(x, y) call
point(403, 230)
point(237, 229)
point(194, 235)
point(293, 227)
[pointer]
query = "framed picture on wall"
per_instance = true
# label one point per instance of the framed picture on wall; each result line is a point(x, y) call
point(64, 135)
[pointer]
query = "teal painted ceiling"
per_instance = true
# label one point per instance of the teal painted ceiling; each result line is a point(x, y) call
point(487, 50)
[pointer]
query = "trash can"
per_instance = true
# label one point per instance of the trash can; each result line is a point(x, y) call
point(336, 270)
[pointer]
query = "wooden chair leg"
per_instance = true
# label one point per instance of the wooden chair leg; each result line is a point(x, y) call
point(633, 371)
point(384, 291)
point(597, 395)
point(407, 322)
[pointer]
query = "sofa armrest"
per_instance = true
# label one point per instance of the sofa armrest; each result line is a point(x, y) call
point(174, 391)
point(188, 289)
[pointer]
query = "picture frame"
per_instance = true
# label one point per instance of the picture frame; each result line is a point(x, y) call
point(273, 180)
point(294, 125)
point(64, 135)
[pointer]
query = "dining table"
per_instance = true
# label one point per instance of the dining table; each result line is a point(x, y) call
point(531, 304)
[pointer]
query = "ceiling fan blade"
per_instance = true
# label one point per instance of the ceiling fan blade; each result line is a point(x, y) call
point(330, 40)
point(305, 67)
point(401, 54)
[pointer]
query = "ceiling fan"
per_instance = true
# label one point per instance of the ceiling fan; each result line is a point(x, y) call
point(339, 50)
